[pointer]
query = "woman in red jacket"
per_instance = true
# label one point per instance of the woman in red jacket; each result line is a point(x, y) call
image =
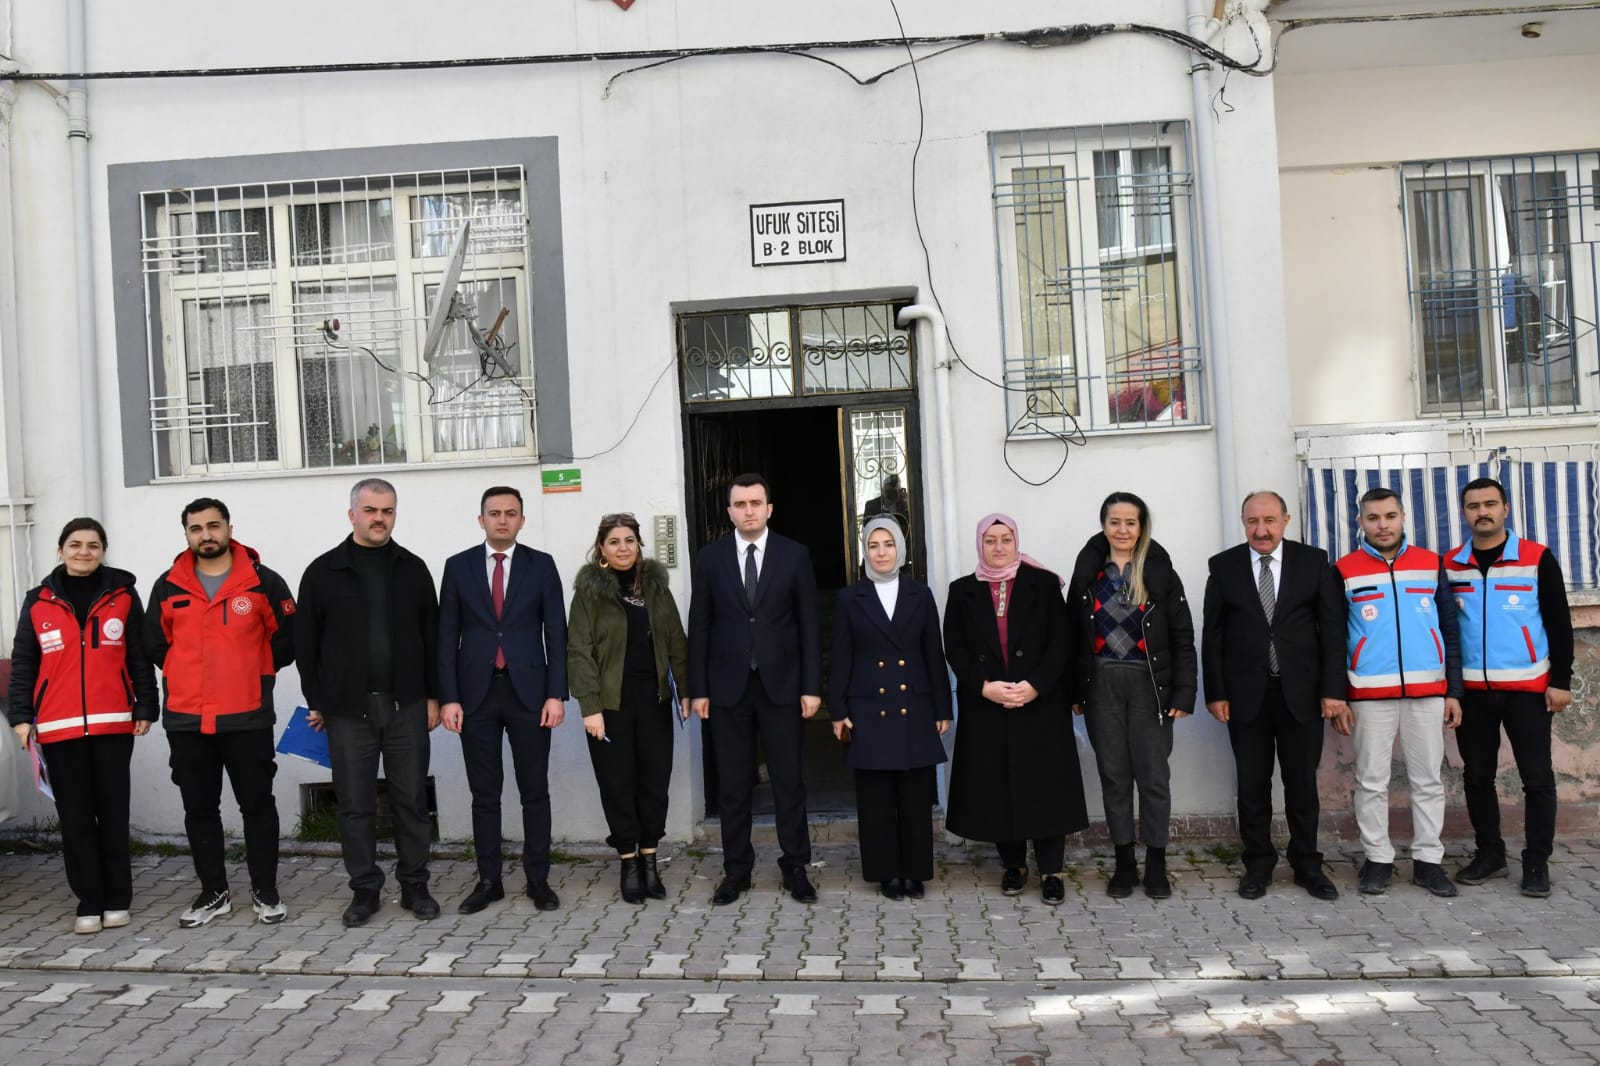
point(82, 688)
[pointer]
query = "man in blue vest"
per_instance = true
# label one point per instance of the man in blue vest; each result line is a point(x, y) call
point(1516, 651)
point(1403, 664)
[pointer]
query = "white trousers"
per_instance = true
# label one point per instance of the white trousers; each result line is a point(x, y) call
point(1420, 724)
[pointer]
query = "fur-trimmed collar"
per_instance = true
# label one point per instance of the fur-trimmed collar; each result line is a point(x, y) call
point(601, 584)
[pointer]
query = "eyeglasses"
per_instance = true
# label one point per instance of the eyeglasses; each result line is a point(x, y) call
point(621, 517)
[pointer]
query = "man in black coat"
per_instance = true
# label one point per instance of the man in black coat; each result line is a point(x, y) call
point(366, 642)
point(1272, 646)
point(755, 658)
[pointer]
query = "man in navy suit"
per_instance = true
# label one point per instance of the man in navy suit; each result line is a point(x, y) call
point(503, 671)
point(755, 659)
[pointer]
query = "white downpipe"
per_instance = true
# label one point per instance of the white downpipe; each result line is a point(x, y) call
point(948, 556)
point(83, 248)
point(1216, 319)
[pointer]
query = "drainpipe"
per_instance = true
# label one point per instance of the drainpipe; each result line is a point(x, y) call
point(83, 247)
point(1215, 328)
point(947, 462)
point(13, 493)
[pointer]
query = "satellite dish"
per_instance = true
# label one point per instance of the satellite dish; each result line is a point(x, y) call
point(447, 308)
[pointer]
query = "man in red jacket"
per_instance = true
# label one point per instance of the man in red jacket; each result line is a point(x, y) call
point(218, 626)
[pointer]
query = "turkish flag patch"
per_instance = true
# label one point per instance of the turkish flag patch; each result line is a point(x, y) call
point(287, 607)
point(624, 4)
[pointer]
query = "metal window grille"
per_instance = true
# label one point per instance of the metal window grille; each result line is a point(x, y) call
point(1097, 271)
point(287, 322)
point(1501, 257)
point(793, 351)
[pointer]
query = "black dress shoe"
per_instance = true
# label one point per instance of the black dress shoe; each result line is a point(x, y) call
point(419, 902)
point(543, 896)
point(728, 890)
point(1431, 876)
point(1253, 885)
point(1051, 889)
point(914, 889)
point(1012, 880)
point(485, 893)
point(798, 885)
point(1316, 883)
point(892, 889)
point(361, 909)
point(632, 881)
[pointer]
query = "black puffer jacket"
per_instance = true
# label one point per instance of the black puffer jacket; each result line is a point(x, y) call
point(1168, 628)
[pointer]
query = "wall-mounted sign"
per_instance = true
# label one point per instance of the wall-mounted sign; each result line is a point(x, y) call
point(569, 479)
point(808, 232)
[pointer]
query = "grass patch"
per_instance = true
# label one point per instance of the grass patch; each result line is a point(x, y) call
point(317, 826)
point(235, 852)
point(557, 855)
point(1224, 853)
point(163, 849)
point(696, 853)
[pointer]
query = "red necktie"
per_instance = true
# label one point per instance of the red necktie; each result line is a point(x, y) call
point(497, 592)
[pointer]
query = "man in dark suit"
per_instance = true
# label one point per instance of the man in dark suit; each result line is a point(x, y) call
point(754, 659)
point(503, 672)
point(1273, 652)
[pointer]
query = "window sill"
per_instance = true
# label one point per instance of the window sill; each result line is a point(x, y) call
point(1103, 434)
point(373, 470)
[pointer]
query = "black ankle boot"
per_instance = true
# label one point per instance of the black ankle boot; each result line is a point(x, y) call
point(632, 882)
point(1156, 885)
point(651, 878)
point(1124, 876)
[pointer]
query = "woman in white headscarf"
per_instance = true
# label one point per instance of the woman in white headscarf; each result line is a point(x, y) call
point(889, 697)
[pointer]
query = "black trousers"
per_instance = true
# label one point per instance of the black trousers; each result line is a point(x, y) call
point(634, 769)
point(782, 733)
point(894, 816)
point(1298, 748)
point(397, 734)
point(198, 761)
point(485, 729)
point(91, 782)
point(1527, 722)
point(1049, 852)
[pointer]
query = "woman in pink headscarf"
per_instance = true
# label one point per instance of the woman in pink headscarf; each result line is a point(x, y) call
point(1015, 775)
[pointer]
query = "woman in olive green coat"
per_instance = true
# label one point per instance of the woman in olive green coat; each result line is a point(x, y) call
point(626, 660)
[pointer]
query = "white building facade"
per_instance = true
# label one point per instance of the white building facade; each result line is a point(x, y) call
point(686, 257)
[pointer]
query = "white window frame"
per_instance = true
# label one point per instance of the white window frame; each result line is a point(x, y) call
point(495, 251)
point(1580, 172)
point(1088, 388)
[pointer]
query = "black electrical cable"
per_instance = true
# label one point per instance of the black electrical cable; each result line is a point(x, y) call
point(1040, 37)
point(636, 415)
point(1030, 412)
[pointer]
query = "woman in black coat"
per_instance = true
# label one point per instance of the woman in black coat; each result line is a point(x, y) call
point(1015, 775)
point(1133, 675)
point(889, 698)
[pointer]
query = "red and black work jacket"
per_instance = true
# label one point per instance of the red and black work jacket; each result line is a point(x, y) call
point(71, 680)
point(219, 654)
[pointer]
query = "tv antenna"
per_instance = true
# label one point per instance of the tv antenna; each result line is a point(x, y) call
point(450, 308)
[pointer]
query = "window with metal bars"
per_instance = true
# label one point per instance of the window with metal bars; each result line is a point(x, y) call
point(1097, 270)
point(1502, 260)
point(291, 317)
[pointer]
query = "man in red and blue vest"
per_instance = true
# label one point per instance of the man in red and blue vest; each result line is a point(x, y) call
point(1516, 650)
point(1403, 667)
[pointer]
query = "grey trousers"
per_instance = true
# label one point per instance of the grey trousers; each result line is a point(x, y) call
point(398, 734)
point(1132, 740)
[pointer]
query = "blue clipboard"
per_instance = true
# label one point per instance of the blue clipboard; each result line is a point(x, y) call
point(303, 742)
point(677, 702)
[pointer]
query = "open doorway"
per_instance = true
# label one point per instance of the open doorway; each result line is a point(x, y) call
point(820, 401)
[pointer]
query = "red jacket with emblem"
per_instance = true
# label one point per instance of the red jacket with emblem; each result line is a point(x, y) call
point(71, 680)
point(219, 655)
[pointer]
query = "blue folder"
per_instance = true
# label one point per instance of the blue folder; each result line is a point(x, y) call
point(300, 740)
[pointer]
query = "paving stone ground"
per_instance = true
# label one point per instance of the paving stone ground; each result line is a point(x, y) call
point(965, 975)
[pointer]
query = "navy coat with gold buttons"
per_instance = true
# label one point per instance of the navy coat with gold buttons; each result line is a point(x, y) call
point(888, 677)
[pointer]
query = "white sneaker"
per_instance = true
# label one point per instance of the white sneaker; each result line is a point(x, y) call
point(115, 919)
point(268, 907)
point(207, 905)
point(86, 923)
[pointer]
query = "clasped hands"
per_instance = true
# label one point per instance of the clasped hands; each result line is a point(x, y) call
point(1010, 694)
